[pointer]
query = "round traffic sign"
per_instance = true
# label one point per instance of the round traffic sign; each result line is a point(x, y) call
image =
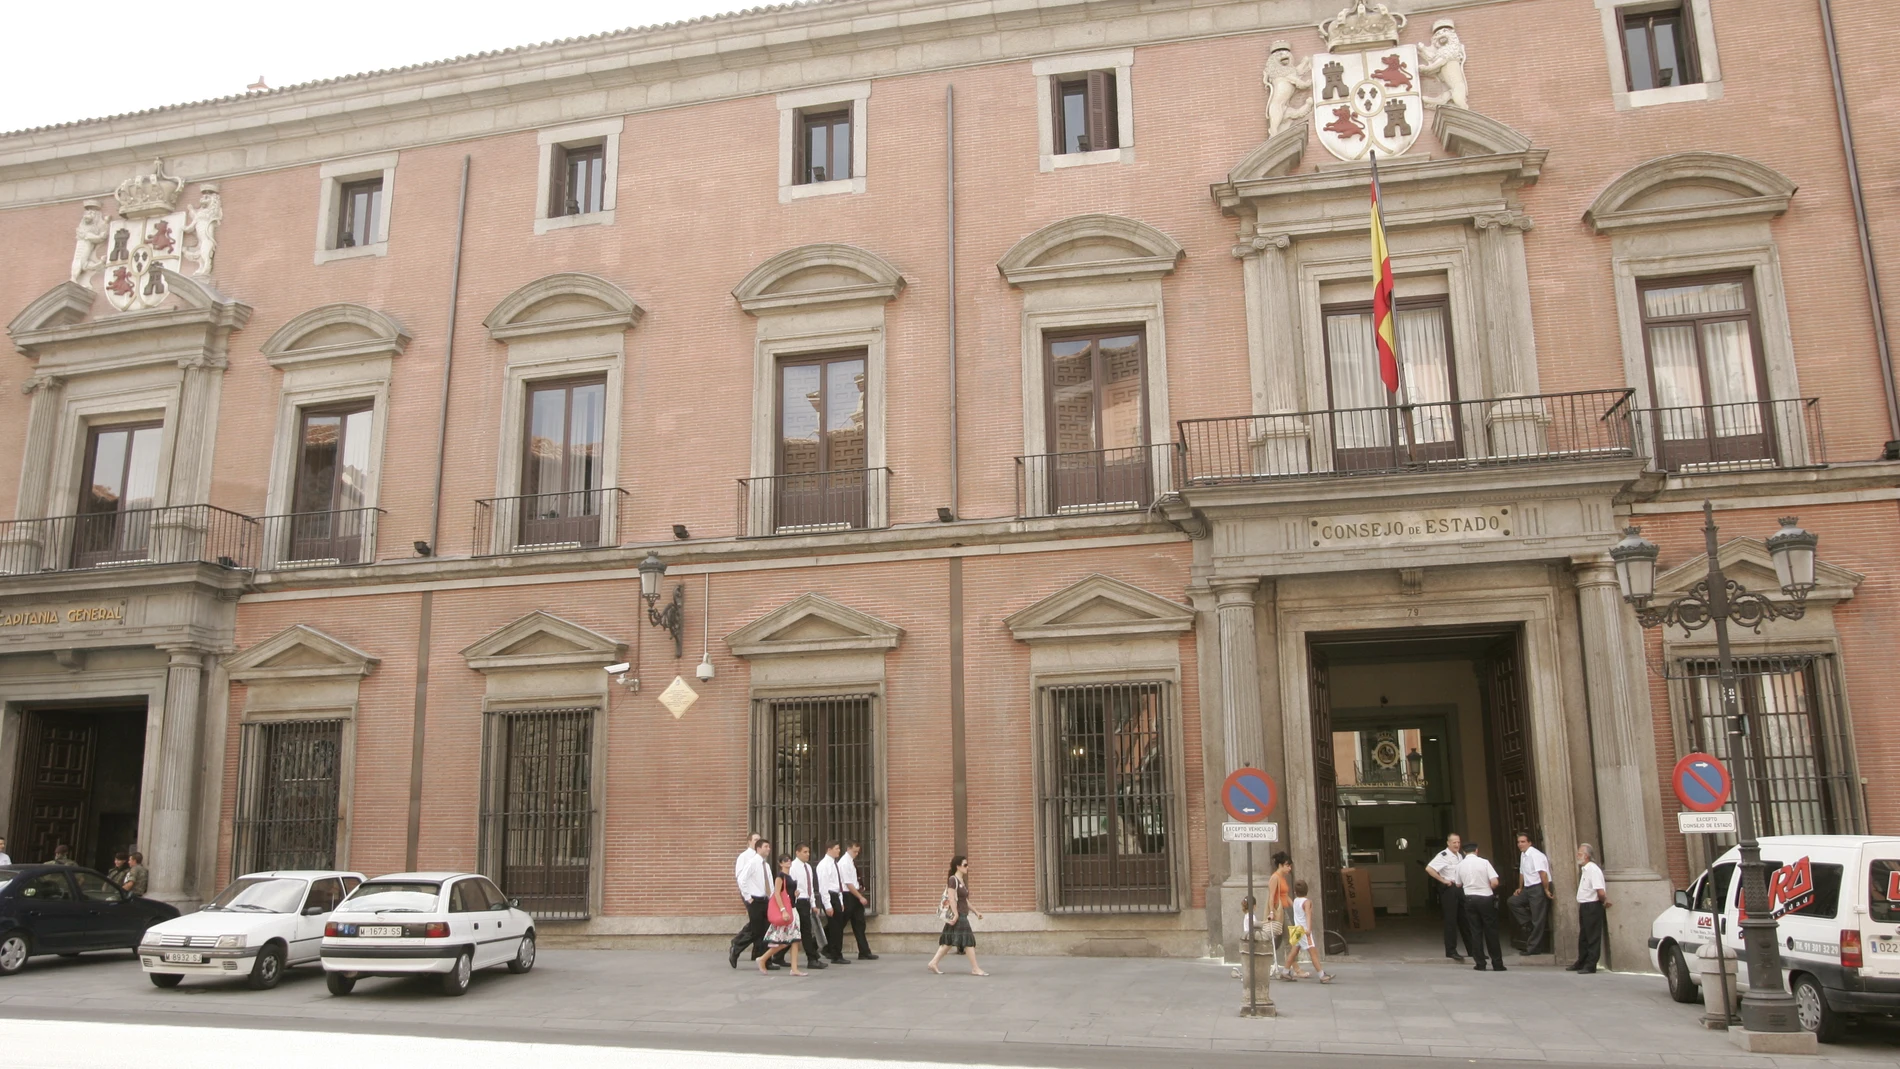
point(1249, 795)
point(1701, 783)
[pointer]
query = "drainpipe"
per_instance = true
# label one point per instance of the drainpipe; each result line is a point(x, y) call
point(1892, 451)
point(448, 364)
point(950, 244)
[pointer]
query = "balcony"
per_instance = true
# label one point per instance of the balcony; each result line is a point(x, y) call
point(1096, 480)
point(319, 539)
point(1454, 436)
point(1747, 436)
point(176, 534)
point(818, 502)
point(545, 523)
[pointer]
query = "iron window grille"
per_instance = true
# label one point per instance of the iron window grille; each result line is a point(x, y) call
point(814, 776)
point(537, 817)
point(1108, 799)
point(288, 791)
point(1792, 713)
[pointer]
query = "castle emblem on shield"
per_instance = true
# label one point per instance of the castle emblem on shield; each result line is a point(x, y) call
point(1367, 91)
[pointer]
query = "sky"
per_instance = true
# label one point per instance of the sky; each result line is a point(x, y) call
point(59, 66)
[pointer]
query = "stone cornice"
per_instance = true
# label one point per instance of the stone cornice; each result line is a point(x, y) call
point(1754, 190)
point(1484, 179)
point(350, 331)
point(55, 322)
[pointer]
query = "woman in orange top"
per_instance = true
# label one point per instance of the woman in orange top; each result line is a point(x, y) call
point(1280, 899)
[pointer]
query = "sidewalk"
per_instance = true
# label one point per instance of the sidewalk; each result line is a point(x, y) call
point(645, 997)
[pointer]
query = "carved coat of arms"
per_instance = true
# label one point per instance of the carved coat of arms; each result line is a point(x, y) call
point(1367, 102)
point(128, 254)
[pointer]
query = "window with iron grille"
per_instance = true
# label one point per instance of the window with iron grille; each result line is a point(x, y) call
point(538, 808)
point(813, 776)
point(1802, 770)
point(287, 795)
point(1108, 798)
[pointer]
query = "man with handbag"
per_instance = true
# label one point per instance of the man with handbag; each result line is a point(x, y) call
point(806, 879)
point(754, 876)
point(831, 900)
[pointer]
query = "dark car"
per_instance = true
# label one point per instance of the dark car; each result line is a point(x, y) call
point(64, 909)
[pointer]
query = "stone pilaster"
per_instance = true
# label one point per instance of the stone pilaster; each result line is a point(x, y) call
point(197, 426)
point(1623, 753)
point(24, 546)
point(1279, 445)
point(1510, 345)
point(1240, 673)
point(168, 849)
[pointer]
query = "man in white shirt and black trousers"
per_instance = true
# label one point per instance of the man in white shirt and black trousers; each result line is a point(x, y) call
point(754, 876)
point(1593, 897)
point(807, 881)
point(1443, 870)
point(1480, 883)
point(854, 897)
point(1531, 904)
point(831, 900)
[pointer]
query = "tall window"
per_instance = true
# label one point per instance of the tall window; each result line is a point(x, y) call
point(580, 180)
point(1108, 798)
point(1705, 372)
point(1800, 763)
point(1098, 420)
point(824, 146)
point(1085, 118)
point(561, 475)
point(1658, 46)
point(822, 443)
point(359, 212)
point(115, 520)
point(538, 808)
point(1369, 429)
point(327, 520)
point(288, 790)
point(813, 775)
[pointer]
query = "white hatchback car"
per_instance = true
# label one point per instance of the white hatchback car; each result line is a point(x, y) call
point(262, 924)
point(448, 923)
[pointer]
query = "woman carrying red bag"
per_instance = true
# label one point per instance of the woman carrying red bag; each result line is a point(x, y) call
point(782, 919)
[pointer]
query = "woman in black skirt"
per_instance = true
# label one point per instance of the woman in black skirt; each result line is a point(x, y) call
point(956, 928)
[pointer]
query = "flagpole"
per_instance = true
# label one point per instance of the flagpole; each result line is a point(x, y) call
point(1395, 395)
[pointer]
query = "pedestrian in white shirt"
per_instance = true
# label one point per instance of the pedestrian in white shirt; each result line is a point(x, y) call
point(4, 859)
point(831, 901)
point(1531, 904)
point(1593, 897)
point(1479, 882)
point(806, 879)
point(753, 873)
point(854, 897)
point(1443, 871)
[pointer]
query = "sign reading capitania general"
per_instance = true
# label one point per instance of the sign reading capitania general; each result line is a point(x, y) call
point(109, 613)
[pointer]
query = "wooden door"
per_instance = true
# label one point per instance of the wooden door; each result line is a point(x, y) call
point(53, 801)
point(1326, 802)
point(1507, 731)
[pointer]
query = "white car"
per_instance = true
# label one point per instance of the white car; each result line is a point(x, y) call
point(262, 924)
point(447, 923)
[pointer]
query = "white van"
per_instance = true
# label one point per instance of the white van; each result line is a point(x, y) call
point(1837, 902)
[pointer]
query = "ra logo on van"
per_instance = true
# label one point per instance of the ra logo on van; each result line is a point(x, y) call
point(1791, 888)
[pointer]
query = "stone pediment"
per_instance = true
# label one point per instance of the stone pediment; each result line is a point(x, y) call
point(298, 652)
point(813, 623)
point(543, 640)
point(335, 332)
point(1090, 247)
point(1688, 187)
point(61, 319)
point(819, 274)
point(566, 303)
point(1277, 155)
point(1098, 607)
point(1746, 561)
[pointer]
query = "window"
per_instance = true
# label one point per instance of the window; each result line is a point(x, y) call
point(359, 213)
point(561, 487)
point(288, 795)
point(1108, 798)
point(324, 894)
point(1791, 710)
point(467, 897)
point(1883, 890)
point(48, 887)
point(1712, 895)
point(1085, 117)
point(1098, 420)
point(117, 500)
point(824, 146)
point(1824, 901)
point(538, 809)
point(1705, 373)
point(579, 184)
point(813, 775)
point(1369, 431)
point(1658, 47)
point(492, 894)
point(94, 887)
point(821, 443)
point(329, 518)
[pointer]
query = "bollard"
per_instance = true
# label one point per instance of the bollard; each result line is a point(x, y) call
point(1255, 975)
point(1715, 969)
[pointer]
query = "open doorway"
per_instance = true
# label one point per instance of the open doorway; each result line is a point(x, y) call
point(1417, 734)
point(79, 780)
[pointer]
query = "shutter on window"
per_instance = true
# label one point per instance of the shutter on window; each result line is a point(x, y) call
point(1101, 101)
point(1059, 135)
point(557, 182)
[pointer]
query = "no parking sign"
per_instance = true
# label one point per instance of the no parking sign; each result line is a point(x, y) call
point(1249, 795)
point(1701, 783)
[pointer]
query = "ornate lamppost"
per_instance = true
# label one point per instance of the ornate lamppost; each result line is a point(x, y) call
point(1719, 600)
point(670, 619)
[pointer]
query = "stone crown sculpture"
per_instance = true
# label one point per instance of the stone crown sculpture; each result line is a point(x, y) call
point(1362, 25)
point(145, 195)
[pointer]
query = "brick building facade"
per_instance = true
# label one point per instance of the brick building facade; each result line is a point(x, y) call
point(996, 389)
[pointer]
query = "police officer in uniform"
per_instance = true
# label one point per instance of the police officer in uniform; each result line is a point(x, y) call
point(1480, 883)
point(1443, 870)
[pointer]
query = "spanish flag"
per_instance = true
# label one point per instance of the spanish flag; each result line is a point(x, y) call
point(1382, 329)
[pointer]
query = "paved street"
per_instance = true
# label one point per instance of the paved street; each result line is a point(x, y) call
point(1054, 1011)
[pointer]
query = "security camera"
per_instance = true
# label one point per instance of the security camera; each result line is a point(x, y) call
point(704, 671)
point(617, 669)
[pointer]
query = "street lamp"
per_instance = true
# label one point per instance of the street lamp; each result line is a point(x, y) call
point(670, 619)
point(1767, 1007)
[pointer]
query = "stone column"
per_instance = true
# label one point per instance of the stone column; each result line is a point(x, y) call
point(1278, 446)
point(1510, 347)
point(1623, 754)
point(1242, 731)
point(168, 848)
point(24, 545)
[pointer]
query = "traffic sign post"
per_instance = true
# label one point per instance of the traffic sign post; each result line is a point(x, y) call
point(1702, 785)
point(1249, 796)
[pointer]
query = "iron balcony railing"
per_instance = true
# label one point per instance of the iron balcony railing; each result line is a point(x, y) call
point(175, 534)
point(1744, 436)
point(1096, 480)
point(536, 523)
point(813, 502)
point(1455, 435)
point(319, 539)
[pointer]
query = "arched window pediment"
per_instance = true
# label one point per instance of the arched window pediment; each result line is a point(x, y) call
point(1091, 247)
point(1689, 187)
point(335, 332)
point(565, 303)
point(819, 274)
